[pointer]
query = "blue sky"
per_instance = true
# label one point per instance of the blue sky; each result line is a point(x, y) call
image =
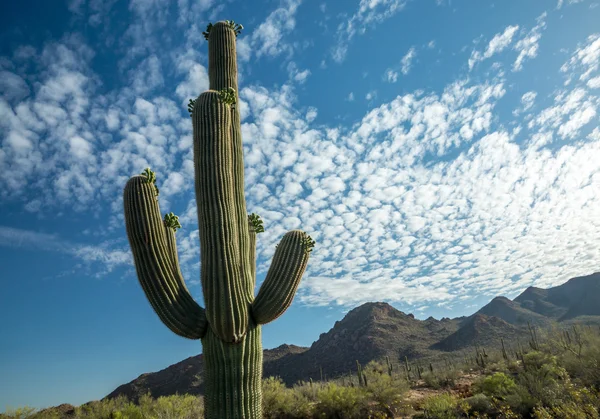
point(439, 152)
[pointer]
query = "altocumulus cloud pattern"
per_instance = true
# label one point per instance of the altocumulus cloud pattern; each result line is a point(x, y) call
point(429, 198)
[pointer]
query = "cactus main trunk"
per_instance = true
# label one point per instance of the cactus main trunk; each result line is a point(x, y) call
point(232, 376)
point(229, 327)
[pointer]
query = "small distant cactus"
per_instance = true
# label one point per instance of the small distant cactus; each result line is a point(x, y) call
point(390, 367)
point(533, 342)
point(504, 354)
point(360, 374)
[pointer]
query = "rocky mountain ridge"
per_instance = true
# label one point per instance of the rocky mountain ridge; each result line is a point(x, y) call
point(375, 330)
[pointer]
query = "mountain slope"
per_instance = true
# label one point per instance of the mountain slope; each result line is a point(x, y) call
point(186, 376)
point(370, 331)
point(374, 330)
point(576, 297)
point(479, 330)
point(513, 313)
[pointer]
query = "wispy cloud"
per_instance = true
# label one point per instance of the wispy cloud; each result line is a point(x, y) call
point(104, 256)
point(527, 47)
point(407, 60)
point(268, 37)
point(526, 44)
point(499, 42)
point(391, 74)
point(369, 13)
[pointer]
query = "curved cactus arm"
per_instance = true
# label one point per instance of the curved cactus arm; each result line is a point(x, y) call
point(280, 285)
point(154, 252)
point(226, 294)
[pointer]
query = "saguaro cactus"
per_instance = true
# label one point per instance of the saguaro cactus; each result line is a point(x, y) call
point(230, 326)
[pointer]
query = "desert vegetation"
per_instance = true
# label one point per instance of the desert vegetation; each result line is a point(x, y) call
point(553, 374)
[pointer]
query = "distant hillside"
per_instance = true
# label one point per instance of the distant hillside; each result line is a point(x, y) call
point(576, 297)
point(374, 330)
point(186, 376)
point(513, 313)
point(479, 330)
point(370, 331)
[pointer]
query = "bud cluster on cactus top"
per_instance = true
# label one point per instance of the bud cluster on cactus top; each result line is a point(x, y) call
point(150, 177)
point(172, 221)
point(228, 96)
point(308, 243)
point(237, 28)
point(256, 223)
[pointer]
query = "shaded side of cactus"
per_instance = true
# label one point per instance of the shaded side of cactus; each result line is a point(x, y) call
point(230, 324)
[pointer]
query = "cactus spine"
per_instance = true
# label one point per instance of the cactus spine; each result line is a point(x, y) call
point(230, 325)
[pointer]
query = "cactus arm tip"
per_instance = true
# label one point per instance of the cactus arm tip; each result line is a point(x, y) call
point(282, 280)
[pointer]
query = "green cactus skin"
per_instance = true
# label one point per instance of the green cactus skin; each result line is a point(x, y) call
point(230, 325)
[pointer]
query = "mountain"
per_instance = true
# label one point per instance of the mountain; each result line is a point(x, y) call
point(186, 376)
point(370, 331)
point(576, 297)
point(513, 313)
point(479, 330)
point(375, 330)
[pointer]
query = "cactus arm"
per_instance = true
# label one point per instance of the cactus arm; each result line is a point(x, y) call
point(282, 280)
point(154, 251)
point(223, 76)
point(227, 301)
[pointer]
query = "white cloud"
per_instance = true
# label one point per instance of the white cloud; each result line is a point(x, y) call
point(371, 95)
point(528, 99)
point(499, 42)
point(586, 59)
point(297, 75)
point(268, 37)
point(407, 60)
point(390, 76)
point(528, 45)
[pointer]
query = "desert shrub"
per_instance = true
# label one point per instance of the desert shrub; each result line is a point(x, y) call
point(172, 407)
point(568, 410)
point(165, 407)
point(584, 366)
point(440, 378)
point(543, 378)
point(577, 403)
point(276, 397)
point(385, 390)
point(308, 390)
point(497, 385)
point(480, 404)
point(109, 408)
point(20, 413)
point(337, 402)
point(444, 406)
